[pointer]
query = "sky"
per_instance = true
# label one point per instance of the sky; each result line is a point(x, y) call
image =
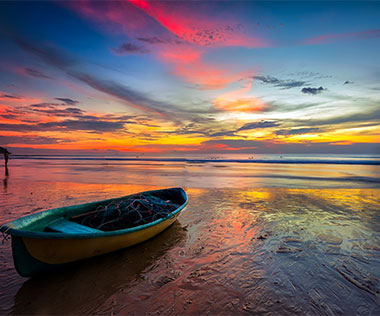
point(185, 77)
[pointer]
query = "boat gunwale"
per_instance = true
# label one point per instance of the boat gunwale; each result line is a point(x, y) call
point(6, 229)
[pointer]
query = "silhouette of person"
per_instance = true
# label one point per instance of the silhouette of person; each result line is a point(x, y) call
point(6, 153)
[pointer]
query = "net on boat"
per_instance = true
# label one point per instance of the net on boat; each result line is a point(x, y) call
point(126, 213)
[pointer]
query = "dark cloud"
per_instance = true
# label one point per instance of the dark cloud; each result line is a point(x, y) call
point(72, 112)
point(297, 131)
point(313, 90)
point(245, 127)
point(267, 79)
point(44, 105)
point(157, 40)
point(36, 73)
point(348, 82)
point(79, 125)
point(226, 133)
point(129, 48)
point(66, 125)
point(9, 140)
point(67, 101)
point(256, 125)
point(54, 109)
point(51, 55)
point(67, 64)
point(8, 116)
point(9, 96)
point(284, 84)
point(124, 93)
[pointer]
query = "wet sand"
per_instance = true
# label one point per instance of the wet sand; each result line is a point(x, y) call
point(241, 251)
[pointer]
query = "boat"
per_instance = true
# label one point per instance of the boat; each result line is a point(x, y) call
point(57, 237)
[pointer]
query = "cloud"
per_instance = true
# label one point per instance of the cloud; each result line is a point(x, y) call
point(27, 139)
point(186, 63)
point(129, 48)
point(133, 98)
point(348, 82)
point(240, 105)
point(83, 125)
point(50, 55)
point(179, 34)
point(313, 90)
point(225, 133)
point(56, 117)
point(9, 96)
point(66, 125)
point(284, 84)
point(245, 127)
point(157, 40)
point(36, 73)
point(59, 112)
point(257, 125)
point(196, 26)
point(297, 131)
point(238, 101)
point(67, 101)
point(372, 115)
point(327, 38)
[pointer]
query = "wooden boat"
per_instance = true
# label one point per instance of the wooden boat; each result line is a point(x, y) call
point(53, 238)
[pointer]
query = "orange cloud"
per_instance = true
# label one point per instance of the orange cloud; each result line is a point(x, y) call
point(235, 101)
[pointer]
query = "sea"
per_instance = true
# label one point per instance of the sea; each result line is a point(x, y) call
point(204, 171)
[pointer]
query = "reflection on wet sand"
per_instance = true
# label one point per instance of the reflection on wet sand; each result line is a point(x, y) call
point(241, 251)
point(5, 180)
point(82, 288)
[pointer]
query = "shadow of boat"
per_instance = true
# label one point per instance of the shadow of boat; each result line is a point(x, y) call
point(86, 285)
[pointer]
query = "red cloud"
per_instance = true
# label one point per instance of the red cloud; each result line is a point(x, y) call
point(182, 33)
point(195, 27)
point(327, 38)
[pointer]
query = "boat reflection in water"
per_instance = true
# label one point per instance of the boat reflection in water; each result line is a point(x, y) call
point(84, 287)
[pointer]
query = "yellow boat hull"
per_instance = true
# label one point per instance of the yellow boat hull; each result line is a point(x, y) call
point(60, 251)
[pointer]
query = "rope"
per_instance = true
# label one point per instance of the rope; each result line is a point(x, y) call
point(129, 212)
point(6, 235)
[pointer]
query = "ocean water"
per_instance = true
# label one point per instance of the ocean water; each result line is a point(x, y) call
point(228, 171)
point(296, 235)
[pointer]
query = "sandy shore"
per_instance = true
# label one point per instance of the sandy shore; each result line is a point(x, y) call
point(239, 251)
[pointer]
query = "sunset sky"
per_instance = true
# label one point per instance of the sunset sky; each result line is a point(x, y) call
point(190, 77)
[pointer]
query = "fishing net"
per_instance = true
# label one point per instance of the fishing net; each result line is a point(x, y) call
point(129, 212)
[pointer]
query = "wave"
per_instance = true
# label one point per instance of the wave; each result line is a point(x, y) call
point(358, 161)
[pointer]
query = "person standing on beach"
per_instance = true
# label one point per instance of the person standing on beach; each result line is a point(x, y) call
point(6, 153)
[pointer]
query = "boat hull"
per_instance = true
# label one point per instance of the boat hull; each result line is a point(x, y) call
point(34, 253)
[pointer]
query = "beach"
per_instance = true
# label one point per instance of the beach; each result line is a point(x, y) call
point(257, 237)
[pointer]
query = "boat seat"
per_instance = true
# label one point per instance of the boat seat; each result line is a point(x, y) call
point(62, 225)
